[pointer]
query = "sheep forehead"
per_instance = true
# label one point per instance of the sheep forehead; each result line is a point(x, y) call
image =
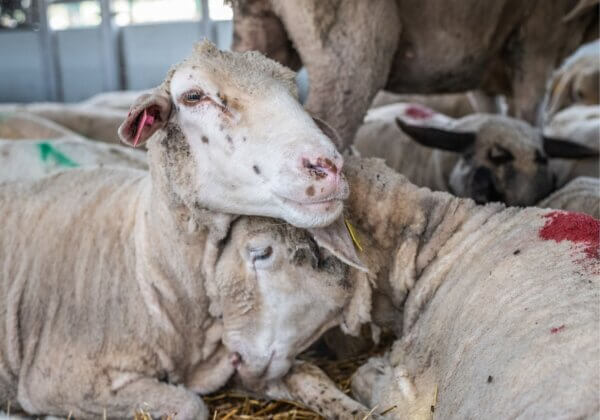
point(514, 135)
point(281, 232)
point(249, 72)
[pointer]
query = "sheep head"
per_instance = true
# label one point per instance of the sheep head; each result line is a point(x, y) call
point(501, 158)
point(278, 291)
point(232, 124)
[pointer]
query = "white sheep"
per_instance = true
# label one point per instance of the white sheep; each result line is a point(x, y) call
point(581, 195)
point(116, 299)
point(231, 124)
point(23, 125)
point(482, 298)
point(580, 124)
point(575, 82)
point(482, 156)
point(33, 159)
point(175, 302)
point(454, 105)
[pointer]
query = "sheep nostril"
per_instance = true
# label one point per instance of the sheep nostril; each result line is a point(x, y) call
point(235, 359)
point(322, 167)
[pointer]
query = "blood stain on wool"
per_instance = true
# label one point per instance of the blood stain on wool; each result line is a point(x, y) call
point(575, 227)
point(418, 112)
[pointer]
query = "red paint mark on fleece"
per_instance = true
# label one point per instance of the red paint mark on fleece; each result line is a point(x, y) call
point(574, 227)
point(418, 112)
point(555, 330)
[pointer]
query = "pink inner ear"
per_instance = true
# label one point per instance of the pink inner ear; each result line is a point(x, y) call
point(145, 119)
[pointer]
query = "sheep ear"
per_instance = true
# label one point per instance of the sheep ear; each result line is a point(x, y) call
point(149, 113)
point(336, 239)
point(437, 138)
point(329, 131)
point(566, 149)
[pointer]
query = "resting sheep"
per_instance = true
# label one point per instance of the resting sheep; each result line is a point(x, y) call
point(580, 124)
point(352, 49)
point(575, 82)
point(231, 124)
point(33, 159)
point(581, 195)
point(453, 105)
point(482, 299)
point(141, 299)
point(158, 289)
point(482, 156)
point(22, 125)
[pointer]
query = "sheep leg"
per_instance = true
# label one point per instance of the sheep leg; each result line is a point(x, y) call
point(310, 386)
point(146, 394)
point(335, 39)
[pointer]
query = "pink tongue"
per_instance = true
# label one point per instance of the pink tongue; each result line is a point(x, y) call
point(145, 119)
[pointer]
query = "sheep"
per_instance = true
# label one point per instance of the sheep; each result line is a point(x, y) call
point(113, 100)
point(581, 195)
point(232, 108)
point(576, 81)
point(481, 298)
point(231, 123)
point(138, 307)
point(22, 125)
point(580, 124)
point(94, 123)
point(454, 105)
point(404, 46)
point(33, 159)
point(482, 156)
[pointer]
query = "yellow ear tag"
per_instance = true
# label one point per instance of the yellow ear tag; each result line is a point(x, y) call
point(353, 234)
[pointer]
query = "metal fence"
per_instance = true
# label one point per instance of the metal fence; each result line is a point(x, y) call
point(41, 64)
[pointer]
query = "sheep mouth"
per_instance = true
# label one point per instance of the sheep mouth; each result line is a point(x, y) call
point(249, 376)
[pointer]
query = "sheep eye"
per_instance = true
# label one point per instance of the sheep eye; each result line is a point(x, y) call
point(540, 158)
point(192, 97)
point(260, 253)
point(499, 155)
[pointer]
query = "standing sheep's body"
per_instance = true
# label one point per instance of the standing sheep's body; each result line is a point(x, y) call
point(484, 299)
point(412, 47)
point(580, 195)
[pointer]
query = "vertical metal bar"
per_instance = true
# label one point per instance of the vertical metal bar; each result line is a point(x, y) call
point(110, 58)
point(50, 67)
point(206, 23)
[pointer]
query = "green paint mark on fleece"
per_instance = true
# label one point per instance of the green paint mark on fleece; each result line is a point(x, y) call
point(47, 151)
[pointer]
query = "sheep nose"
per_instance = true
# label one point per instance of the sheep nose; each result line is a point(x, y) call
point(235, 359)
point(483, 188)
point(322, 167)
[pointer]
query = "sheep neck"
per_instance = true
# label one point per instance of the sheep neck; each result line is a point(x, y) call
point(409, 228)
point(172, 275)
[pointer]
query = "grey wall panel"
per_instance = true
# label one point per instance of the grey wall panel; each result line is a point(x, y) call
point(80, 62)
point(21, 75)
point(223, 31)
point(149, 50)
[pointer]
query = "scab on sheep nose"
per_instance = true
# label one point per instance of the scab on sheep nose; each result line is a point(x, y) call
point(321, 168)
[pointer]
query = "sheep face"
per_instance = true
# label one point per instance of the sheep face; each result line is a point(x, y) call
point(278, 292)
point(506, 162)
point(254, 149)
point(501, 158)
